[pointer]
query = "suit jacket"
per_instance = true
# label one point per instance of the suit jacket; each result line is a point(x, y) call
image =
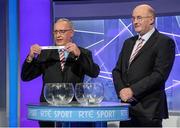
point(48, 65)
point(146, 75)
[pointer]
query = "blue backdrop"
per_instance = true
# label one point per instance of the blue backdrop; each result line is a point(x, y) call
point(105, 39)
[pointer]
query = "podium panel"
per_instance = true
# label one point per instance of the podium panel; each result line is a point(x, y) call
point(74, 112)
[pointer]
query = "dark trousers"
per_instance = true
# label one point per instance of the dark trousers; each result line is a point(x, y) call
point(46, 124)
point(72, 124)
point(141, 122)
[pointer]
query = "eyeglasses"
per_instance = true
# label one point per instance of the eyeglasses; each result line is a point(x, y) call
point(61, 31)
point(139, 18)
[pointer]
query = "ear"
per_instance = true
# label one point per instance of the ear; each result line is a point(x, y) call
point(72, 33)
point(152, 20)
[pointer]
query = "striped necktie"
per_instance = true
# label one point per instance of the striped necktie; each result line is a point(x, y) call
point(136, 50)
point(62, 58)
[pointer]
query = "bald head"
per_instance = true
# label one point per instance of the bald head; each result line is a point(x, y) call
point(146, 9)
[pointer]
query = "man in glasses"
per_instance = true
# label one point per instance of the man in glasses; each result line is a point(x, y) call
point(142, 69)
point(70, 66)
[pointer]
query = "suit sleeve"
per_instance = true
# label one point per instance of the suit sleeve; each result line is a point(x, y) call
point(87, 64)
point(117, 73)
point(30, 70)
point(161, 70)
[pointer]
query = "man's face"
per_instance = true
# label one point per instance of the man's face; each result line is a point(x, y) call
point(62, 33)
point(142, 20)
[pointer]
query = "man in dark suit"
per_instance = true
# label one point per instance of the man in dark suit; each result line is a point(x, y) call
point(142, 69)
point(78, 63)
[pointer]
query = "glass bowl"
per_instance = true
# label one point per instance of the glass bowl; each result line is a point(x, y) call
point(89, 93)
point(58, 93)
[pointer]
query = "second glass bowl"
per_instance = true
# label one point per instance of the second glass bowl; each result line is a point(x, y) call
point(89, 93)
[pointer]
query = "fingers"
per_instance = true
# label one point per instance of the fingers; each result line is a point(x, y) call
point(126, 94)
point(124, 97)
point(72, 47)
point(35, 49)
point(69, 47)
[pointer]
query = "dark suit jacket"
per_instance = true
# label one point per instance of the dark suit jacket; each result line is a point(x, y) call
point(48, 65)
point(146, 75)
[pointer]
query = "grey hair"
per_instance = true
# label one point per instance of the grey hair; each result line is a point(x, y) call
point(66, 20)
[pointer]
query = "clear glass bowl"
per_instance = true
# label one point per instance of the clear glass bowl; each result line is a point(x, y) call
point(89, 93)
point(58, 93)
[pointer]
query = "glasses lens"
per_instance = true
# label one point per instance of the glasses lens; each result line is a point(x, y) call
point(61, 31)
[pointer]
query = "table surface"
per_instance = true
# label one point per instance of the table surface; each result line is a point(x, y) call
point(76, 104)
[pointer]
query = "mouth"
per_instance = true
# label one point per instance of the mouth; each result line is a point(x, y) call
point(59, 40)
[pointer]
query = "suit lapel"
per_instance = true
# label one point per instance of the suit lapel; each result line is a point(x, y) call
point(130, 48)
point(147, 45)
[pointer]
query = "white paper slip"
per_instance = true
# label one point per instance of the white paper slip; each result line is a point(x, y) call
point(52, 47)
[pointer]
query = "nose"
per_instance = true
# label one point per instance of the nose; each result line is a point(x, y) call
point(58, 34)
point(134, 20)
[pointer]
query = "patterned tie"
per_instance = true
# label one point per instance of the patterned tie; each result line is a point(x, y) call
point(62, 58)
point(139, 46)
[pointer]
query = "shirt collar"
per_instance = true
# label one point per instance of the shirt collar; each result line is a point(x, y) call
point(147, 35)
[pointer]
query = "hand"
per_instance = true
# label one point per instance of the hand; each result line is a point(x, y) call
point(72, 47)
point(35, 49)
point(126, 94)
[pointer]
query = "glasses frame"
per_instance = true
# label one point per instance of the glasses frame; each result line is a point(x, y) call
point(140, 18)
point(61, 31)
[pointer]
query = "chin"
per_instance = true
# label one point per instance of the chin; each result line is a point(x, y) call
point(59, 44)
point(137, 30)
